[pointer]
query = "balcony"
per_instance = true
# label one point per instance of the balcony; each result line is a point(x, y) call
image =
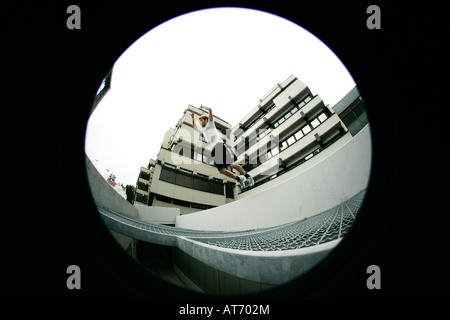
point(300, 148)
point(142, 192)
point(332, 125)
point(284, 105)
point(290, 125)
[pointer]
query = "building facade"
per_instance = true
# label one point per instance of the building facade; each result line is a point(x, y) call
point(184, 175)
point(288, 132)
point(289, 127)
point(351, 110)
point(310, 163)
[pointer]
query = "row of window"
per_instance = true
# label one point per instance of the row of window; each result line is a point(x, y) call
point(297, 106)
point(204, 155)
point(296, 164)
point(249, 166)
point(288, 114)
point(194, 152)
point(262, 133)
point(303, 131)
point(258, 159)
point(144, 175)
point(186, 178)
point(183, 203)
point(259, 117)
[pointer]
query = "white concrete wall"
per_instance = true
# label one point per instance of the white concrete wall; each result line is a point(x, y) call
point(158, 215)
point(104, 195)
point(326, 184)
point(268, 267)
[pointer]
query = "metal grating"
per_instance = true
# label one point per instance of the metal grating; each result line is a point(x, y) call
point(321, 228)
point(324, 227)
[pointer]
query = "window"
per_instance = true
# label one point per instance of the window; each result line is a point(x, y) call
point(181, 203)
point(261, 135)
point(229, 190)
point(163, 198)
point(309, 156)
point(207, 158)
point(283, 145)
point(186, 171)
point(203, 176)
point(216, 187)
point(315, 123)
point(198, 156)
point(274, 151)
point(322, 117)
point(144, 175)
point(171, 166)
point(184, 180)
point(141, 198)
point(143, 187)
point(201, 183)
point(199, 206)
point(167, 175)
point(301, 104)
point(306, 130)
point(298, 135)
point(291, 140)
point(263, 157)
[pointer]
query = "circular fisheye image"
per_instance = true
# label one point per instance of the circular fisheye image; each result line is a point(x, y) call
point(228, 151)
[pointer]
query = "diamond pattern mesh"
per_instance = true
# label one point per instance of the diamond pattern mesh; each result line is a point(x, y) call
point(321, 228)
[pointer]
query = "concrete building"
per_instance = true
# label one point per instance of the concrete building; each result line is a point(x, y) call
point(311, 164)
point(287, 132)
point(183, 175)
point(119, 188)
point(351, 110)
point(289, 127)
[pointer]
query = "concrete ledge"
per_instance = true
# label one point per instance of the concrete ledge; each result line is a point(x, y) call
point(160, 215)
point(105, 196)
point(269, 267)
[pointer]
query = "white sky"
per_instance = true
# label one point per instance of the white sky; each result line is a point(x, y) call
point(224, 58)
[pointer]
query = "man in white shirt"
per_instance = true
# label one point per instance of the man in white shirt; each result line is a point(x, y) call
point(222, 154)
